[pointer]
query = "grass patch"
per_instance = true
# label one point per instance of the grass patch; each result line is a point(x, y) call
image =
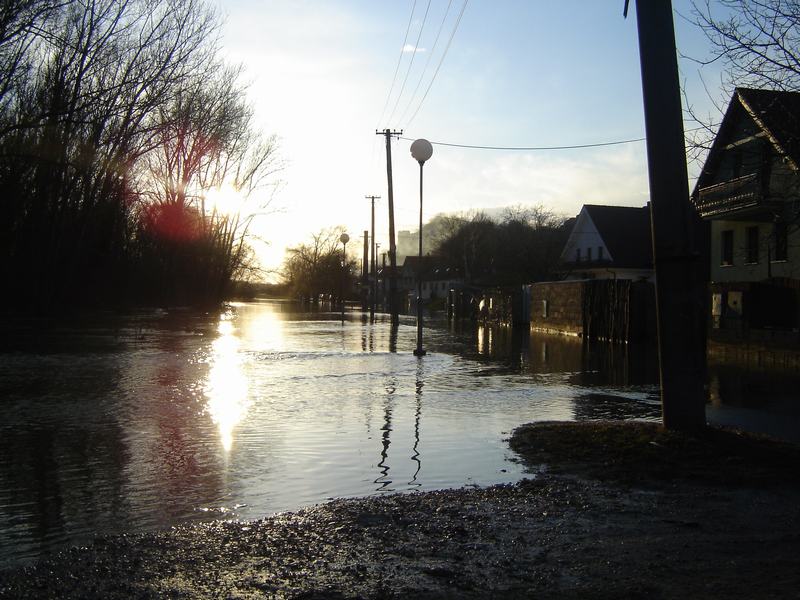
point(635, 451)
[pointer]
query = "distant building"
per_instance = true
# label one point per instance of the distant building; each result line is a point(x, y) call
point(607, 292)
point(610, 242)
point(749, 191)
point(407, 244)
point(437, 279)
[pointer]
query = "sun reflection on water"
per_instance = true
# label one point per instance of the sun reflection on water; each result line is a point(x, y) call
point(226, 388)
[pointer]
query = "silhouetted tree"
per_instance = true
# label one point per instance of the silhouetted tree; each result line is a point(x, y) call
point(524, 246)
point(89, 90)
point(758, 44)
point(315, 268)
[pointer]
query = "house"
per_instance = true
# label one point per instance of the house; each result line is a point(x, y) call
point(608, 288)
point(610, 242)
point(749, 191)
point(437, 278)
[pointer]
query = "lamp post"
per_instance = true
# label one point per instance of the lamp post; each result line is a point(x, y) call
point(421, 150)
point(377, 247)
point(344, 238)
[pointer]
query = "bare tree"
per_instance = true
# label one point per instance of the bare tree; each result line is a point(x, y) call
point(757, 42)
point(537, 216)
point(316, 267)
point(89, 91)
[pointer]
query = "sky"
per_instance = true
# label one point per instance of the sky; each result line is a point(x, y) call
point(517, 73)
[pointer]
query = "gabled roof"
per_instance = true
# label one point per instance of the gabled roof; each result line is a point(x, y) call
point(625, 231)
point(778, 114)
point(433, 268)
point(775, 113)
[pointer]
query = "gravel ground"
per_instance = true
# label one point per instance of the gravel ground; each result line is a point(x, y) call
point(553, 536)
point(550, 537)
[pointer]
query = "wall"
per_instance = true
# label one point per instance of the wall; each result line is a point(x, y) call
point(612, 273)
point(740, 271)
point(564, 307)
point(621, 310)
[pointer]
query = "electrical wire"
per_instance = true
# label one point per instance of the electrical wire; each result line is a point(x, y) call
point(411, 62)
point(427, 62)
point(397, 68)
point(536, 148)
point(441, 60)
point(532, 148)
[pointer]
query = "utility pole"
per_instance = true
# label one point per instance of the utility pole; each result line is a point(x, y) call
point(365, 256)
point(674, 256)
point(388, 133)
point(365, 271)
point(374, 271)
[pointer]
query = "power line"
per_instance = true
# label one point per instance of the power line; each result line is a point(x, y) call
point(534, 148)
point(441, 60)
point(411, 62)
point(427, 62)
point(399, 60)
point(531, 148)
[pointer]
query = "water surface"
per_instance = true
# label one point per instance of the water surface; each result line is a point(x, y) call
point(141, 422)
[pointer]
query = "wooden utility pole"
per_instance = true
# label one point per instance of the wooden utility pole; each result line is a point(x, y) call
point(388, 133)
point(373, 269)
point(365, 270)
point(674, 256)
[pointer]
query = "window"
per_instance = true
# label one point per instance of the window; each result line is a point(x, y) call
point(577, 255)
point(751, 250)
point(599, 253)
point(726, 249)
point(545, 309)
point(781, 241)
point(589, 254)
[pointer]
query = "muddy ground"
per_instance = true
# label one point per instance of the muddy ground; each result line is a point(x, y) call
point(563, 534)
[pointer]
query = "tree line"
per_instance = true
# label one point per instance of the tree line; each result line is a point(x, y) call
point(116, 119)
point(319, 267)
point(521, 246)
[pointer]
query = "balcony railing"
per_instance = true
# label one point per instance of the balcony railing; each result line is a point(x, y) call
point(730, 196)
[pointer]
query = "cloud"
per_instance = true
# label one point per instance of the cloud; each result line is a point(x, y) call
point(460, 180)
point(412, 48)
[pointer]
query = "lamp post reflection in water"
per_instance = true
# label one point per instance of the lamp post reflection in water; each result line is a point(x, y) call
point(226, 389)
point(417, 417)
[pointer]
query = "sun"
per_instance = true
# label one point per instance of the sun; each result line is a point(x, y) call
point(225, 199)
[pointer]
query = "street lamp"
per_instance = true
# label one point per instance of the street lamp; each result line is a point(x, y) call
point(344, 238)
point(421, 150)
point(375, 278)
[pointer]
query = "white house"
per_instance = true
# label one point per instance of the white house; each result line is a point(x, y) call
point(610, 242)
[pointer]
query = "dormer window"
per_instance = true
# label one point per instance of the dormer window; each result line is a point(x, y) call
point(577, 255)
point(589, 254)
point(600, 253)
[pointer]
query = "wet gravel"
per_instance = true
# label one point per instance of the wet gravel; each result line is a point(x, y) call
point(547, 537)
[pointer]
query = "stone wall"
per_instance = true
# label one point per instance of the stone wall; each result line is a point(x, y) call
point(558, 307)
point(611, 310)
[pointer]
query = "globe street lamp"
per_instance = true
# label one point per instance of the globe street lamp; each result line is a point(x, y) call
point(344, 238)
point(421, 150)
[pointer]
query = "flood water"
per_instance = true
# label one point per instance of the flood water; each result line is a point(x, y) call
point(137, 423)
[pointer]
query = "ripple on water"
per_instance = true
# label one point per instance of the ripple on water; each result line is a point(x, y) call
point(190, 416)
